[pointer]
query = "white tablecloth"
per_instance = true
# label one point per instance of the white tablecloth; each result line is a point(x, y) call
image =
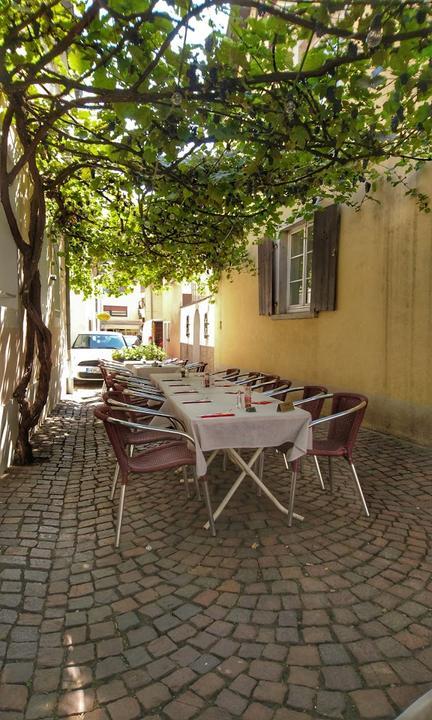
point(145, 371)
point(264, 428)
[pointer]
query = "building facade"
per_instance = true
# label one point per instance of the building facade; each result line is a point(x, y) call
point(366, 324)
point(123, 311)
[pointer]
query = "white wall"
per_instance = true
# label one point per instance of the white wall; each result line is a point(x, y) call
point(203, 307)
point(12, 329)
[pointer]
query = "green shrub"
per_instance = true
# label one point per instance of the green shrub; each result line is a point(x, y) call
point(140, 352)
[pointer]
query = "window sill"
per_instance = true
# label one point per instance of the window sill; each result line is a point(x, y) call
point(300, 315)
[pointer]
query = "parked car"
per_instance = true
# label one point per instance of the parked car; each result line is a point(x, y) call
point(89, 348)
point(130, 340)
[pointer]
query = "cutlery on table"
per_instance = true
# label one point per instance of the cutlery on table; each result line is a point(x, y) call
point(185, 392)
point(191, 402)
point(216, 415)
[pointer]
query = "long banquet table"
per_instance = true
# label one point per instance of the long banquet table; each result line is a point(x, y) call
point(212, 418)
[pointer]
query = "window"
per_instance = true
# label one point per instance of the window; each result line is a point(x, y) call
point(295, 253)
point(187, 326)
point(206, 326)
point(297, 272)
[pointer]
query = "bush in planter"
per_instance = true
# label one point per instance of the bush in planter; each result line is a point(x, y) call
point(140, 352)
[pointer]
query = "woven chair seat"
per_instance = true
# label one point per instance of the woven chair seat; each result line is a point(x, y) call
point(163, 457)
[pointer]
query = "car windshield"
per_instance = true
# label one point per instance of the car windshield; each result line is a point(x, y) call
point(98, 342)
point(131, 340)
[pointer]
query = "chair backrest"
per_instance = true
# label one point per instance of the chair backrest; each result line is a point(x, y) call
point(231, 373)
point(314, 407)
point(116, 434)
point(267, 382)
point(108, 377)
point(283, 385)
point(344, 429)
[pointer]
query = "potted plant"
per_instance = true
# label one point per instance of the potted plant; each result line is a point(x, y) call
point(140, 352)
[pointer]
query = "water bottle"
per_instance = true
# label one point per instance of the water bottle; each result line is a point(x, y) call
point(207, 380)
point(248, 397)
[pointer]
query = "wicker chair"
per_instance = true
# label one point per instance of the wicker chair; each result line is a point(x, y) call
point(155, 458)
point(346, 416)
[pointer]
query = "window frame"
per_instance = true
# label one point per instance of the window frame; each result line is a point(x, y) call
point(282, 269)
point(305, 225)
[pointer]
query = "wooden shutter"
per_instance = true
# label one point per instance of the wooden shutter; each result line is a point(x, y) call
point(324, 258)
point(265, 277)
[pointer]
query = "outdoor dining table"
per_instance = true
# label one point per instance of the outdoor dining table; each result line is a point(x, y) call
point(211, 416)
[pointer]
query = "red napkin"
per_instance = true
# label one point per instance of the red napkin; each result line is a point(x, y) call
point(218, 415)
point(261, 402)
point(231, 392)
point(189, 402)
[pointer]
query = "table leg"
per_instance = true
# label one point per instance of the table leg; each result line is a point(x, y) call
point(247, 470)
point(227, 498)
point(247, 467)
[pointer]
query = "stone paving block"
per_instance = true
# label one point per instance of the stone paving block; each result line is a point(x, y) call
point(13, 697)
point(41, 706)
point(153, 695)
point(179, 678)
point(257, 711)
point(243, 684)
point(76, 702)
point(330, 704)
point(341, 677)
point(372, 704)
point(17, 672)
point(303, 655)
point(304, 676)
point(111, 691)
point(270, 692)
point(233, 703)
point(124, 709)
point(301, 697)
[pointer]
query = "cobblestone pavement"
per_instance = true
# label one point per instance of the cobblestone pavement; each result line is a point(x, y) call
point(329, 619)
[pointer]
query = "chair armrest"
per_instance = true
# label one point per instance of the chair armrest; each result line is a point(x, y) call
point(320, 396)
point(138, 426)
point(144, 411)
point(263, 384)
point(249, 380)
point(296, 389)
point(143, 393)
point(141, 382)
point(277, 391)
point(335, 416)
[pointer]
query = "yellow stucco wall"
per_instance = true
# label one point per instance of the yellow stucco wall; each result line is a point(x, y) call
point(378, 341)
